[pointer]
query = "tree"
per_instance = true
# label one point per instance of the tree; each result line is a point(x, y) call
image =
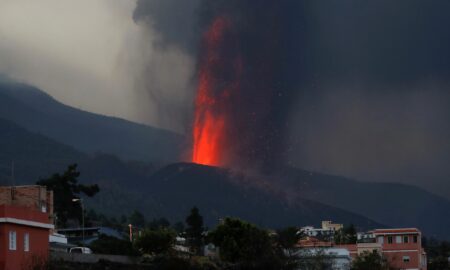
point(137, 219)
point(245, 244)
point(369, 261)
point(194, 231)
point(114, 246)
point(438, 253)
point(287, 239)
point(156, 241)
point(159, 223)
point(179, 227)
point(346, 235)
point(65, 188)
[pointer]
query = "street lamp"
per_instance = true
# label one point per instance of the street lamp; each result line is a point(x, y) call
point(82, 213)
point(131, 232)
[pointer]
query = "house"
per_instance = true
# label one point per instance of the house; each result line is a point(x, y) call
point(88, 235)
point(401, 248)
point(326, 232)
point(26, 221)
point(309, 242)
point(58, 243)
point(328, 225)
point(338, 258)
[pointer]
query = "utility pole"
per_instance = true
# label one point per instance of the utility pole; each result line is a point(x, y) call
point(12, 174)
point(82, 213)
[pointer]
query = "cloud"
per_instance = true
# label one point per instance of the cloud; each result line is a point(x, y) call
point(390, 133)
point(92, 55)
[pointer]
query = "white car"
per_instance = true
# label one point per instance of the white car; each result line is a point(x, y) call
point(81, 250)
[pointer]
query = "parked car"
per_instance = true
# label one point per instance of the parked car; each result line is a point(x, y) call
point(81, 250)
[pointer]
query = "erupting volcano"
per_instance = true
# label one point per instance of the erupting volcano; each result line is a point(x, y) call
point(213, 97)
point(246, 82)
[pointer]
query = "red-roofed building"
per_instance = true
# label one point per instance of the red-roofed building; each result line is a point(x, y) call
point(310, 241)
point(26, 219)
point(402, 247)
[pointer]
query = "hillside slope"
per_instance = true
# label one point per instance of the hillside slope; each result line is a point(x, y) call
point(178, 187)
point(34, 155)
point(305, 197)
point(289, 197)
point(168, 192)
point(398, 205)
point(36, 111)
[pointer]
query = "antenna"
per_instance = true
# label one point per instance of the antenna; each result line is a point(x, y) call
point(13, 180)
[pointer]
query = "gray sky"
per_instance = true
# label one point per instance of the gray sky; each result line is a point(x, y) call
point(374, 97)
point(92, 55)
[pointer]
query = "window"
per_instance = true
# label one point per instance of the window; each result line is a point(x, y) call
point(12, 240)
point(380, 239)
point(26, 242)
point(405, 259)
point(398, 239)
point(415, 238)
point(405, 239)
point(390, 239)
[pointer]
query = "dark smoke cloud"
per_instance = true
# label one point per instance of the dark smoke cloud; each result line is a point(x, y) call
point(166, 84)
point(375, 100)
point(358, 88)
point(175, 20)
point(262, 37)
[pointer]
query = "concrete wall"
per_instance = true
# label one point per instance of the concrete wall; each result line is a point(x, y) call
point(93, 258)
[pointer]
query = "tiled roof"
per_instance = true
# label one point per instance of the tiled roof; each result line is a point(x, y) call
point(398, 230)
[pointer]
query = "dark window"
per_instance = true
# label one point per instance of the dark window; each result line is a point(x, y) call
point(415, 238)
point(390, 239)
point(405, 239)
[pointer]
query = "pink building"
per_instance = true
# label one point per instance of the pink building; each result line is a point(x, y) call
point(402, 247)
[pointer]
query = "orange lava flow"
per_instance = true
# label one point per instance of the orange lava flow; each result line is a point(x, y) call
point(209, 120)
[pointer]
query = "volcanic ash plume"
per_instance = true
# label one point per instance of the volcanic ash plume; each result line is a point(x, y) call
point(240, 106)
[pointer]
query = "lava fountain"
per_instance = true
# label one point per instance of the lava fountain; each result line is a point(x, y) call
point(247, 79)
point(213, 96)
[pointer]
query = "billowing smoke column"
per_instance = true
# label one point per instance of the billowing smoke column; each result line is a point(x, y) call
point(248, 54)
point(244, 90)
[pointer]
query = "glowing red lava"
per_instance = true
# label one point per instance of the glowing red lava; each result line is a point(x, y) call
point(210, 121)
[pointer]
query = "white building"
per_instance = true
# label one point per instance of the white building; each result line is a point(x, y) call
point(339, 258)
point(327, 230)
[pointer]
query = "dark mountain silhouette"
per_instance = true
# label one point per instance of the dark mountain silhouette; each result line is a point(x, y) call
point(33, 155)
point(177, 187)
point(38, 112)
point(288, 196)
point(170, 191)
point(297, 191)
point(398, 205)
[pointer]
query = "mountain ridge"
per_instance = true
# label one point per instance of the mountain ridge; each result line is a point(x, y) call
point(38, 112)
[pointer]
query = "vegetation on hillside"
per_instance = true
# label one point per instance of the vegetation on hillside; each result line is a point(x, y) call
point(438, 253)
point(66, 190)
